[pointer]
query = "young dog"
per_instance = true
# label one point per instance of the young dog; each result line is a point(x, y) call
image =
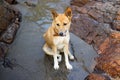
point(57, 38)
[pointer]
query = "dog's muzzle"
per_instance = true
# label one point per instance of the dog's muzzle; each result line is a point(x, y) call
point(63, 33)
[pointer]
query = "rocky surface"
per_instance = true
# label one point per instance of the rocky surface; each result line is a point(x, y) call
point(11, 1)
point(27, 59)
point(98, 23)
point(94, 76)
point(9, 24)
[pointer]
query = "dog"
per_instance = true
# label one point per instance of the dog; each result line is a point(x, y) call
point(57, 38)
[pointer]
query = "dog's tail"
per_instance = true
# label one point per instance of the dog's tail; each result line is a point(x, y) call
point(47, 50)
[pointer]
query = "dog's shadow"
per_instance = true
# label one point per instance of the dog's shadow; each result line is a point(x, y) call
point(51, 73)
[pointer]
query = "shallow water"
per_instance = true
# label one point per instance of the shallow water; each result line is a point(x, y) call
point(41, 12)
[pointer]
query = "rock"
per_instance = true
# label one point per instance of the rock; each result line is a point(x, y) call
point(94, 76)
point(6, 15)
point(97, 22)
point(9, 34)
point(95, 15)
point(88, 29)
point(116, 25)
point(11, 1)
point(9, 24)
point(118, 18)
point(79, 2)
point(109, 59)
point(31, 3)
point(80, 9)
point(3, 49)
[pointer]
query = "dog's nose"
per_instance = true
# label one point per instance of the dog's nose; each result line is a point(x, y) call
point(61, 33)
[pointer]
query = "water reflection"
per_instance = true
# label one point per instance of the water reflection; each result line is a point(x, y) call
point(41, 12)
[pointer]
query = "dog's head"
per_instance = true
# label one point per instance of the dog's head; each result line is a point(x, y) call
point(61, 22)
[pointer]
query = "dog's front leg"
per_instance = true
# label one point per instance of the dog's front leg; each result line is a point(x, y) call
point(66, 52)
point(56, 66)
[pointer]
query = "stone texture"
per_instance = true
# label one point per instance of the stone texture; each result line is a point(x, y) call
point(11, 1)
point(31, 63)
point(97, 22)
point(94, 76)
point(116, 24)
point(5, 20)
point(109, 61)
point(3, 49)
point(79, 2)
point(9, 24)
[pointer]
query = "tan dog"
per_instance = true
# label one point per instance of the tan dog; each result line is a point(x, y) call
point(57, 38)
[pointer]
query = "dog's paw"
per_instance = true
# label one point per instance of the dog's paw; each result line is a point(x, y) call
point(56, 67)
point(72, 57)
point(69, 66)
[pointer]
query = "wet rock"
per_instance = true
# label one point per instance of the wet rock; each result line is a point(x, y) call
point(3, 49)
point(9, 34)
point(31, 3)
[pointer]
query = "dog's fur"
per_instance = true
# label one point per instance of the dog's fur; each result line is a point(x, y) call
point(57, 38)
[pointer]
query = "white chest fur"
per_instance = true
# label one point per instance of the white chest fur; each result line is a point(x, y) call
point(61, 41)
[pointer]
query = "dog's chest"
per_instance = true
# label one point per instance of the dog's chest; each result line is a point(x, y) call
point(61, 41)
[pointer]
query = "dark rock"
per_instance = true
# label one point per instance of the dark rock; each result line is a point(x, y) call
point(3, 49)
point(6, 15)
point(11, 1)
point(9, 24)
point(9, 34)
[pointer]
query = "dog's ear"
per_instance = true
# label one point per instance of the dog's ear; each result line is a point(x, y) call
point(68, 12)
point(54, 14)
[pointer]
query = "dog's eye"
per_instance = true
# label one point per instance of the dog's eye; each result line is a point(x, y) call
point(65, 24)
point(57, 24)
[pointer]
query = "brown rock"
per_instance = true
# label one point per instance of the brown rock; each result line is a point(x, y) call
point(6, 16)
point(94, 76)
point(116, 25)
point(104, 46)
point(95, 15)
point(118, 15)
point(8, 35)
point(80, 9)
point(97, 25)
point(79, 2)
point(109, 61)
point(9, 24)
